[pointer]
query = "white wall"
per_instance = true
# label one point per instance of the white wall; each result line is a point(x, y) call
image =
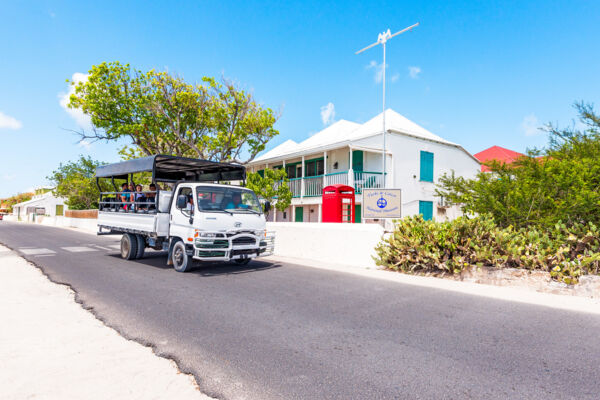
point(348, 244)
point(340, 156)
point(85, 224)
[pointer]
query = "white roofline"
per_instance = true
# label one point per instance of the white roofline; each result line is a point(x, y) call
point(348, 143)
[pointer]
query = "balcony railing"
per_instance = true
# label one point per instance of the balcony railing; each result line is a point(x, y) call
point(336, 178)
point(367, 180)
point(312, 186)
point(296, 187)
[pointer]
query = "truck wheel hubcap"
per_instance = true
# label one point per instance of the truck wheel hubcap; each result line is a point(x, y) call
point(178, 257)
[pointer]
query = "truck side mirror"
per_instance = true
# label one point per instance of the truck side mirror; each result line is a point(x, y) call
point(181, 201)
point(267, 206)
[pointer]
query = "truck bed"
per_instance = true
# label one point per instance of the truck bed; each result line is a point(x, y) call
point(156, 224)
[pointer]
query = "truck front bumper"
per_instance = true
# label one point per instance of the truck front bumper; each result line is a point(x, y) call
point(233, 246)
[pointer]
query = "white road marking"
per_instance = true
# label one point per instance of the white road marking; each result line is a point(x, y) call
point(36, 252)
point(79, 249)
point(115, 246)
point(103, 248)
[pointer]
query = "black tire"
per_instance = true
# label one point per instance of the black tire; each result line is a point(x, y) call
point(141, 246)
point(129, 246)
point(179, 258)
point(242, 261)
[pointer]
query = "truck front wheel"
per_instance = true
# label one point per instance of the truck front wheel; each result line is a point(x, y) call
point(179, 258)
point(129, 246)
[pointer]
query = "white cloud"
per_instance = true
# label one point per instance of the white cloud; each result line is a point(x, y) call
point(328, 113)
point(9, 177)
point(378, 71)
point(63, 98)
point(530, 125)
point(8, 122)
point(414, 72)
point(86, 144)
point(395, 77)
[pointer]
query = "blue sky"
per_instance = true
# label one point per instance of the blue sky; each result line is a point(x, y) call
point(483, 72)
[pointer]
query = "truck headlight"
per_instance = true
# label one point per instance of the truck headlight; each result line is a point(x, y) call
point(207, 234)
point(261, 233)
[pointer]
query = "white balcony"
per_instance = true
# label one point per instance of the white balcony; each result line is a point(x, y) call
point(312, 186)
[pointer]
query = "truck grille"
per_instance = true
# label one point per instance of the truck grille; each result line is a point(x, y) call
point(244, 240)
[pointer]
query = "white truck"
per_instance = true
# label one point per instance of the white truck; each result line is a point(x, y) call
point(197, 218)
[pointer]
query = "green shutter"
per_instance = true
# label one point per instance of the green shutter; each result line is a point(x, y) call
point(299, 214)
point(357, 160)
point(357, 213)
point(426, 209)
point(261, 172)
point(60, 209)
point(426, 166)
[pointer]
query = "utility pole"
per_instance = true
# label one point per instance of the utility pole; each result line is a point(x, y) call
point(382, 39)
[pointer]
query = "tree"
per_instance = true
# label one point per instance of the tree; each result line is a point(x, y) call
point(273, 187)
point(162, 114)
point(558, 184)
point(16, 199)
point(76, 181)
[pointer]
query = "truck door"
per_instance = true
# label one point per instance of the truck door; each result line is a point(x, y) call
point(180, 217)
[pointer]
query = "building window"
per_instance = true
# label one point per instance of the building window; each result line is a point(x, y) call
point(426, 209)
point(426, 174)
point(314, 167)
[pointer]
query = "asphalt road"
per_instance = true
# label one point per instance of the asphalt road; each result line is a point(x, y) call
point(282, 331)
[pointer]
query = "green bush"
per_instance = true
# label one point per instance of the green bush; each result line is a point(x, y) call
point(419, 246)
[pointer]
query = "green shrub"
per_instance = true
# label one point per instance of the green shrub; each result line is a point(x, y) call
point(419, 246)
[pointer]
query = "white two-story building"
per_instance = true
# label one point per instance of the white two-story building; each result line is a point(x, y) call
point(351, 153)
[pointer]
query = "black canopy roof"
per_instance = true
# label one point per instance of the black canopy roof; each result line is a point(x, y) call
point(166, 168)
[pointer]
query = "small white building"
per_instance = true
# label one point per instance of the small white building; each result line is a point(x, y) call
point(42, 203)
point(351, 153)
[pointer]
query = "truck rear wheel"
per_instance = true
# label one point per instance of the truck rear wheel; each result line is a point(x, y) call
point(179, 258)
point(141, 246)
point(129, 246)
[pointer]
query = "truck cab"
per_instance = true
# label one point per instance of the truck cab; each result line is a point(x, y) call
point(221, 222)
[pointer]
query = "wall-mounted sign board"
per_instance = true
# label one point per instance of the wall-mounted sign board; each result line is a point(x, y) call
point(381, 203)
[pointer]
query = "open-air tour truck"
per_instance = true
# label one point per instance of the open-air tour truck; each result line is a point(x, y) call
point(194, 216)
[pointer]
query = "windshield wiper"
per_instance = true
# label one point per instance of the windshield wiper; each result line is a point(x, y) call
point(217, 211)
point(243, 210)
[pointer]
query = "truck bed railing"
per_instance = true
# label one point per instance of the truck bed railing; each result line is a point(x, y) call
point(140, 203)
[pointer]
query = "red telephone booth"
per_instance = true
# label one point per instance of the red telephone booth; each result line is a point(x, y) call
point(338, 203)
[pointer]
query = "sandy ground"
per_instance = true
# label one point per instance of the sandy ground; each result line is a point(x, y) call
point(51, 348)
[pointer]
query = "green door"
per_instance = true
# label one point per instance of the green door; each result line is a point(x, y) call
point(357, 160)
point(299, 214)
point(426, 209)
point(357, 215)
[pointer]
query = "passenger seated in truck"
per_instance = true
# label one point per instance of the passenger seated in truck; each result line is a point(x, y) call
point(151, 197)
point(140, 198)
point(125, 196)
point(236, 202)
point(190, 204)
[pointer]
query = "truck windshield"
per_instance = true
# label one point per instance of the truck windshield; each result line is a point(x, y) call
point(211, 199)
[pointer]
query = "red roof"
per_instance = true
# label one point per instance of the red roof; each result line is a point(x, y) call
point(497, 153)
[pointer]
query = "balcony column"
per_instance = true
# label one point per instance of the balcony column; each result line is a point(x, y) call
point(302, 180)
point(350, 171)
point(320, 216)
point(324, 177)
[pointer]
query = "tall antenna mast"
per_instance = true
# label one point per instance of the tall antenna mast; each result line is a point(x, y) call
point(382, 39)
